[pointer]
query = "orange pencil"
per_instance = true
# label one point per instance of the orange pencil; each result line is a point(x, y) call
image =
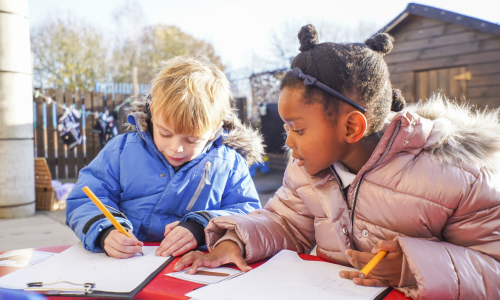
point(106, 212)
point(372, 264)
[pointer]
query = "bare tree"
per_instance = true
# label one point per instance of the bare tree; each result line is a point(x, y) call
point(68, 52)
point(285, 44)
point(158, 43)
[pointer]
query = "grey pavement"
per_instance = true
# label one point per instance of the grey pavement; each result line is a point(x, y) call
point(47, 228)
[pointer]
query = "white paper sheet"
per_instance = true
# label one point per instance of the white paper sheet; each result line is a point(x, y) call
point(206, 279)
point(78, 265)
point(23, 258)
point(286, 276)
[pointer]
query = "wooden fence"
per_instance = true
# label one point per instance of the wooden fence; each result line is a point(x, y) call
point(64, 163)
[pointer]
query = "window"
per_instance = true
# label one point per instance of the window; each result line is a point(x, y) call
point(452, 82)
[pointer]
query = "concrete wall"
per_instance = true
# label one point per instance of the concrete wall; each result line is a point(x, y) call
point(17, 183)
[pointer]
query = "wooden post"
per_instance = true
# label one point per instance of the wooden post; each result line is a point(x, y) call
point(118, 100)
point(135, 82)
point(51, 133)
point(70, 154)
point(80, 161)
point(88, 147)
point(61, 147)
point(97, 104)
point(39, 132)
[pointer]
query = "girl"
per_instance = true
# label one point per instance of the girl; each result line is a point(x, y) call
point(422, 183)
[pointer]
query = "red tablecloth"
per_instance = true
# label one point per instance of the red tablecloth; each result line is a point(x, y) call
point(166, 287)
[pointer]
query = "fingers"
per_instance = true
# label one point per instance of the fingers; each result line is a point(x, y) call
point(123, 239)
point(187, 260)
point(199, 262)
point(184, 242)
point(188, 246)
point(370, 282)
point(389, 246)
point(358, 259)
point(170, 227)
point(172, 238)
point(241, 264)
point(354, 276)
point(349, 274)
point(134, 238)
point(114, 248)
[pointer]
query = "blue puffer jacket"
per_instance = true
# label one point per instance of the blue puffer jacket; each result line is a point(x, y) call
point(133, 177)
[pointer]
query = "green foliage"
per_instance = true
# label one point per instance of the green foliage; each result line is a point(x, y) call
point(157, 43)
point(68, 53)
point(73, 54)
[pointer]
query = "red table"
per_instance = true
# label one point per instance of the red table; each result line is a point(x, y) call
point(166, 287)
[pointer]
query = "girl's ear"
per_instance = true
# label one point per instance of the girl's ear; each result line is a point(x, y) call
point(356, 126)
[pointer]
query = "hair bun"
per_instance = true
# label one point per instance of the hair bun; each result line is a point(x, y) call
point(308, 37)
point(381, 43)
point(398, 101)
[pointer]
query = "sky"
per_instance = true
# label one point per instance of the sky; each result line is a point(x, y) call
point(239, 29)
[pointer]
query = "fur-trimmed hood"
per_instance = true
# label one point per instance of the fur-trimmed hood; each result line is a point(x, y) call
point(245, 140)
point(461, 135)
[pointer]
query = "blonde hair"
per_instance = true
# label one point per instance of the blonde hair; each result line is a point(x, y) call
point(192, 93)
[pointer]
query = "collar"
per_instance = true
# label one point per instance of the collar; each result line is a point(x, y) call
point(345, 176)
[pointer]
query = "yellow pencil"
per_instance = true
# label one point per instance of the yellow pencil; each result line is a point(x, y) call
point(372, 264)
point(106, 212)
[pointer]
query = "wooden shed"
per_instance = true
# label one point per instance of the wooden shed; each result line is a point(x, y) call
point(435, 49)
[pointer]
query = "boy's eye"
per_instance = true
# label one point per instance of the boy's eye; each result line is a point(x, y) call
point(165, 134)
point(193, 140)
point(299, 132)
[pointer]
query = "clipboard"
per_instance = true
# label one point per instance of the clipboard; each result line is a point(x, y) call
point(80, 273)
point(87, 289)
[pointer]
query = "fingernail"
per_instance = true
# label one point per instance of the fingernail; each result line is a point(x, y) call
point(342, 274)
point(347, 252)
point(356, 280)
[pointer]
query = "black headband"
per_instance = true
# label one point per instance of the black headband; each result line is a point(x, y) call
point(308, 80)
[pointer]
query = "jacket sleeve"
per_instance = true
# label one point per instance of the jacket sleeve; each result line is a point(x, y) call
point(285, 223)
point(466, 264)
point(102, 177)
point(239, 197)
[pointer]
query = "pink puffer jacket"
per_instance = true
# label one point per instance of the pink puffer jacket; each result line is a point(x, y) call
point(432, 183)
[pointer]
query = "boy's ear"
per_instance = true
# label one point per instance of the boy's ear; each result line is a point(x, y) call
point(356, 126)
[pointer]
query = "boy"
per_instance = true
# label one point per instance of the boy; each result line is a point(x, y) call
point(183, 165)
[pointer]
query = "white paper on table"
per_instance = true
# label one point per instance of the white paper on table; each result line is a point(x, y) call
point(23, 258)
point(286, 276)
point(78, 265)
point(206, 279)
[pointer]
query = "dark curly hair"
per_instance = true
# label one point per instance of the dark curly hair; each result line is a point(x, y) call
point(356, 70)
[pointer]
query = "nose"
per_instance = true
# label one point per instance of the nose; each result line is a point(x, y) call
point(176, 146)
point(290, 142)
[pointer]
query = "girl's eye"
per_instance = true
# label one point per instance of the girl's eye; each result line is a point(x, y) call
point(299, 132)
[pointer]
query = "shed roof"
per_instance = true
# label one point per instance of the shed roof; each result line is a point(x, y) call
point(443, 15)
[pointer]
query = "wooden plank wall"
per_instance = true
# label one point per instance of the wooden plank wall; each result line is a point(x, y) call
point(426, 44)
point(64, 163)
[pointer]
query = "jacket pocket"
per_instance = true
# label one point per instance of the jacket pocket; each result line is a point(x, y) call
point(205, 180)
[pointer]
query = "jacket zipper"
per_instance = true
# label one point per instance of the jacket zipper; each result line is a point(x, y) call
point(204, 181)
point(371, 168)
point(341, 190)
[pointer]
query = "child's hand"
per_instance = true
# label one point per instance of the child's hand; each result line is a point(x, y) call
point(386, 273)
point(178, 240)
point(120, 246)
point(225, 253)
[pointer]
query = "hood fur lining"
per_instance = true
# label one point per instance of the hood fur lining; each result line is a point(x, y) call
point(245, 140)
point(461, 134)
